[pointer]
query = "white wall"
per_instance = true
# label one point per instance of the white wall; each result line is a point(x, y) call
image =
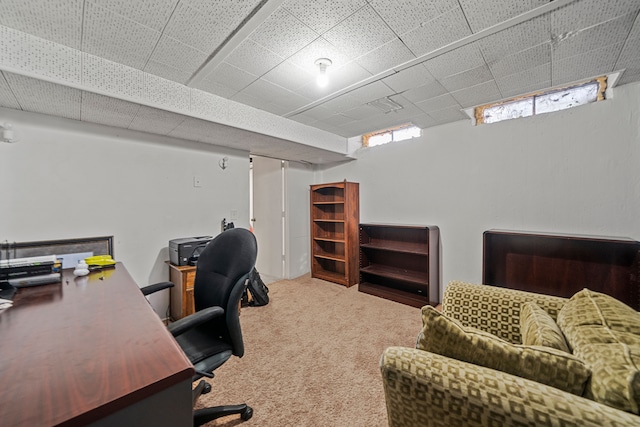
point(298, 233)
point(575, 171)
point(67, 179)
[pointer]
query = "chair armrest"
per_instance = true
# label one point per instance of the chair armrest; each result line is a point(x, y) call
point(426, 389)
point(149, 289)
point(493, 309)
point(180, 326)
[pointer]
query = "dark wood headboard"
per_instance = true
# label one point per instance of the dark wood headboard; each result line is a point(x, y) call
point(562, 264)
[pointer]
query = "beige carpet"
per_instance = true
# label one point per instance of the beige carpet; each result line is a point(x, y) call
point(311, 357)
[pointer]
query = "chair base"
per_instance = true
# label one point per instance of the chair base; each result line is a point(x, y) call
point(203, 416)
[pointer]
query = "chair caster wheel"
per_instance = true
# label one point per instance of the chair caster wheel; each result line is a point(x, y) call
point(246, 414)
point(206, 389)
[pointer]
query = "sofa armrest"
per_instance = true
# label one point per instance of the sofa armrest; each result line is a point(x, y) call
point(493, 309)
point(426, 389)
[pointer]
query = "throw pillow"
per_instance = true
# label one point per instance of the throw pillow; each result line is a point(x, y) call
point(538, 328)
point(443, 335)
point(615, 375)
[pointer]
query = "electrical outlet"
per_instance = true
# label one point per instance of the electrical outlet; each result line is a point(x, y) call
point(196, 181)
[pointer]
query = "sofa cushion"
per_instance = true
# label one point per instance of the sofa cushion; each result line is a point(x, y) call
point(443, 335)
point(605, 333)
point(615, 375)
point(538, 328)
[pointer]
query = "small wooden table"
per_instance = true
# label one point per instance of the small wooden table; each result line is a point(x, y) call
point(182, 302)
point(90, 351)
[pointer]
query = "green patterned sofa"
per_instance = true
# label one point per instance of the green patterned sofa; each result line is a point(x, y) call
point(502, 357)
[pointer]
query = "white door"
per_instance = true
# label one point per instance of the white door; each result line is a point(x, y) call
point(268, 216)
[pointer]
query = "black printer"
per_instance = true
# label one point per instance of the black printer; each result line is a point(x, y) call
point(185, 251)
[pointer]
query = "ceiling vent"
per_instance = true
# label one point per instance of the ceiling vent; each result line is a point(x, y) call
point(386, 104)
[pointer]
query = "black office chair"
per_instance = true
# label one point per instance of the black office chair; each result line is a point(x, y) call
point(211, 335)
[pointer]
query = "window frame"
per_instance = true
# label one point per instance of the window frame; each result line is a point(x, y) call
point(479, 111)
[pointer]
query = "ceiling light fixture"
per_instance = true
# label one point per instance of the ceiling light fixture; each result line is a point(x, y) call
point(323, 79)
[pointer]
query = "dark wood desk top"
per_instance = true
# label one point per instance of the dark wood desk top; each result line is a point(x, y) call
point(74, 352)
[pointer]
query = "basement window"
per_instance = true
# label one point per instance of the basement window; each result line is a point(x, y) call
point(399, 133)
point(542, 102)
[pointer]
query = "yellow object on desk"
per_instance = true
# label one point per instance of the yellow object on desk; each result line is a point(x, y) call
point(100, 261)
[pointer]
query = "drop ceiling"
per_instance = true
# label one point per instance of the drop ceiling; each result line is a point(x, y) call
point(241, 73)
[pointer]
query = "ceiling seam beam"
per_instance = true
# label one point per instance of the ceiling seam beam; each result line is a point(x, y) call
point(533, 13)
point(234, 40)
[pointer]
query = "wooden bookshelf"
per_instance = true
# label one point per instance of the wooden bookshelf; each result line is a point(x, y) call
point(335, 214)
point(400, 263)
point(563, 264)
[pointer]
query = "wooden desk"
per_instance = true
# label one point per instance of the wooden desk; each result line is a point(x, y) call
point(90, 351)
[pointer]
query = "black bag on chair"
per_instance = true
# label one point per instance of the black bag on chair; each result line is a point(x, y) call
point(257, 290)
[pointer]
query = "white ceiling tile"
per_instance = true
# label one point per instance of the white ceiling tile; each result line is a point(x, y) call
point(360, 33)
point(156, 121)
point(216, 88)
point(7, 98)
point(406, 15)
point(167, 72)
point(111, 36)
point(283, 34)
point(253, 58)
point(361, 112)
point(629, 76)
point(107, 111)
point(150, 13)
point(585, 13)
point(110, 77)
point(385, 57)
point(524, 90)
point(339, 79)
point(591, 64)
point(178, 55)
point(424, 92)
point(635, 30)
point(476, 95)
point(43, 97)
point(515, 39)
point(455, 61)
point(317, 113)
point(321, 15)
point(342, 103)
point(165, 93)
point(629, 58)
point(337, 120)
point(228, 75)
point(320, 48)
point(289, 76)
point(522, 82)
point(264, 90)
point(521, 61)
point(423, 121)
point(438, 103)
point(34, 55)
point(441, 31)
point(448, 115)
point(467, 78)
point(59, 21)
point(250, 100)
point(290, 101)
point(203, 31)
point(611, 32)
point(408, 78)
point(483, 14)
point(371, 92)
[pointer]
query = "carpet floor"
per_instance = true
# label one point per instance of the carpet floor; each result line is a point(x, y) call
point(311, 357)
